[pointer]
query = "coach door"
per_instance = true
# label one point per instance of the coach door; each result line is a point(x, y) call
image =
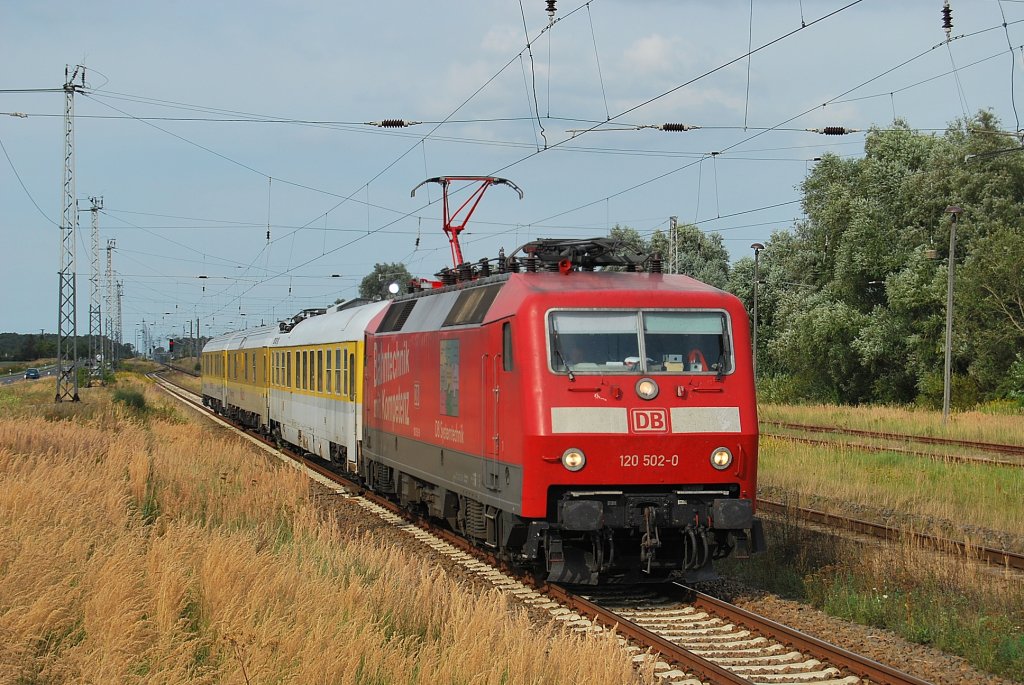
point(346, 357)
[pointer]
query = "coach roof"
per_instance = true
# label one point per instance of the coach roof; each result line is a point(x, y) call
point(334, 326)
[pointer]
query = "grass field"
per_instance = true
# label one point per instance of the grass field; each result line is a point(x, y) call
point(953, 604)
point(139, 546)
point(1004, 427)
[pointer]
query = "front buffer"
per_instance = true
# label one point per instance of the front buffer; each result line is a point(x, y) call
point(640, 535)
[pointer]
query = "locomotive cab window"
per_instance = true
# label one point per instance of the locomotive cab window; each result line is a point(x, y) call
point(639, 342)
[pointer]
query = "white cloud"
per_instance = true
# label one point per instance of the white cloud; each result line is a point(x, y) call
point(503, 40)
point(654, 53)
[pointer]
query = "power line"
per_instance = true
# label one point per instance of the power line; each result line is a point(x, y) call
point(740, 142)
point(22, 184)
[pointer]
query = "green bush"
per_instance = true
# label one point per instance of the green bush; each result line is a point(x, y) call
point(132, 399)
point(1013, 385)
point(777, 389)
point(1007, 407)
point(964, 392)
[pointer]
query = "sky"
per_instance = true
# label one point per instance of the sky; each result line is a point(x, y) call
point(202, 126)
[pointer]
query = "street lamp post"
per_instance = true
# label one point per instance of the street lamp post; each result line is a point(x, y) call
point(757, 247)
point(954, 211)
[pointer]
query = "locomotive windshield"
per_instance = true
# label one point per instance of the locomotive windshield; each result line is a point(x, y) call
point(639, 342)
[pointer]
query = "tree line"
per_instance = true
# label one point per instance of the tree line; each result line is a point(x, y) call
point(29, 347)
point(852, 299)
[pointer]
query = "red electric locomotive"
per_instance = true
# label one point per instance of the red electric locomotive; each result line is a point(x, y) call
point(600, 424)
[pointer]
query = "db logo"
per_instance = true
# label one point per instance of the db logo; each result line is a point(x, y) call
point(648, 420)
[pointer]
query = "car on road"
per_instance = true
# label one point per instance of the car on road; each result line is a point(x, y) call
point(32, 373)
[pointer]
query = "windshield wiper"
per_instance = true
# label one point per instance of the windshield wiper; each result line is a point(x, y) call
point(558, 353)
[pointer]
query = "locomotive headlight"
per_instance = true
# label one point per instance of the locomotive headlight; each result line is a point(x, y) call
point(646, 388)
point(721, 458)
point(573, 459)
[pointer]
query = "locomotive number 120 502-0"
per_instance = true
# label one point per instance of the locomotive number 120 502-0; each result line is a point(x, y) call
point(655, 460)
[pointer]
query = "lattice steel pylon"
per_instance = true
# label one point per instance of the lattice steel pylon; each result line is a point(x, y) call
point(67, 327)
point(117, 314)
point(97, 357)
point(109, 341)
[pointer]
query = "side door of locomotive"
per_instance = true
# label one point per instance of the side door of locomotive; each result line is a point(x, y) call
point(492, 363)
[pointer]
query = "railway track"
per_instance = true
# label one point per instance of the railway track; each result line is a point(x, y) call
point(751, 646)
point(990, 555)
point(986, 447)
point(692, 638)
point(171, 367)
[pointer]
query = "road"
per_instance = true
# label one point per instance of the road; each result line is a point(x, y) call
point(45, 372)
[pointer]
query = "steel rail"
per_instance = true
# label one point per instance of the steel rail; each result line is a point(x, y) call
point(693, 663)
point(957, 459)
point(1001, 448)
point(171, 367)
point(855, 663)
point(997, 557)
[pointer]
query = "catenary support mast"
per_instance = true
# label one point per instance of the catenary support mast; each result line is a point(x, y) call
point(95, 309)
point(67, 327)
point(109, 356)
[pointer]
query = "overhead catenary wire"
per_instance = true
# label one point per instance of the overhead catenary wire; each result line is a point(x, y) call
point(21, 182)
point(750, 57)
point(396, 160)
point(746, 139)
point(855, 2)
point(597, 60)
point(926, 80)
point(1013, 64)
point(533, 73)
point(684, 84)
point(356, 199)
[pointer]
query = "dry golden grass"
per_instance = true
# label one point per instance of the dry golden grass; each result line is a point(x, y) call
point(134, 548)
point(967, 425)
point(193, 383)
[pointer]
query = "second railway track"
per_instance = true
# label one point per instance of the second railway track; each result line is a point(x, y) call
point(985, 452)
point(990, 555)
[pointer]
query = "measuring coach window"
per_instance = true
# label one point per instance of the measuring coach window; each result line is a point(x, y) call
point(352, 376)
point(640, 342)
point(337, 371)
